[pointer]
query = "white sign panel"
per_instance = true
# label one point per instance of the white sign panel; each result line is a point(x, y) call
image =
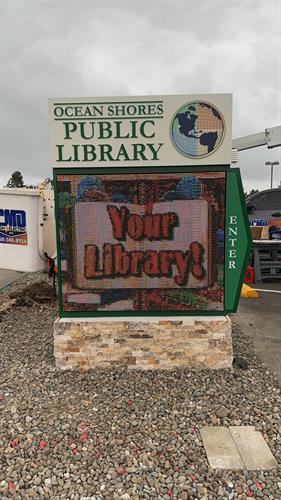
point(141, 131)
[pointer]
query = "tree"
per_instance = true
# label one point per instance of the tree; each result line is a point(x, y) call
point(253, 191)
point(16, 180)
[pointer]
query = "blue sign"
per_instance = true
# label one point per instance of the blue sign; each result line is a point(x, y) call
point(13, 226)
point(14, 218)
point(258, 222)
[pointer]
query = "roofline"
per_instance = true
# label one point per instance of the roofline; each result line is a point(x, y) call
point(263, 191)
point(20, 191)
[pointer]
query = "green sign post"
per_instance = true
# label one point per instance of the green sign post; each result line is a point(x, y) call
point(237, 240)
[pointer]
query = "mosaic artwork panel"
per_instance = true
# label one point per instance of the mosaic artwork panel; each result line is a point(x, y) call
point(142, 242)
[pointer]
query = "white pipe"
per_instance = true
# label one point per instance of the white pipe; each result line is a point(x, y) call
point(40, 230)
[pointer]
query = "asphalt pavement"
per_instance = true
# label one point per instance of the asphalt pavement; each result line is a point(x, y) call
point(7, 277)
point(261, 319)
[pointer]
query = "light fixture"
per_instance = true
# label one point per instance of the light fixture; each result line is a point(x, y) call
point(272, 163)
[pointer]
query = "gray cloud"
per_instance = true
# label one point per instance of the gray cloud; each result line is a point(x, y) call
point(83, 48)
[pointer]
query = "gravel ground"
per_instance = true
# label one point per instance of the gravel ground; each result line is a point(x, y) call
point(116, 434)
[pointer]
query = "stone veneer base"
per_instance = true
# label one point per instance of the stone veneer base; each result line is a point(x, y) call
point(143, 343)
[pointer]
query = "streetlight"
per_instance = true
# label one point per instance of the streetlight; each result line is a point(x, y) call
point(272, 163)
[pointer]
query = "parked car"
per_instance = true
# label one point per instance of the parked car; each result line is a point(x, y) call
point(264, 208)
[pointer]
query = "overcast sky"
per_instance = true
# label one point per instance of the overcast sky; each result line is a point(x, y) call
point(89, 48)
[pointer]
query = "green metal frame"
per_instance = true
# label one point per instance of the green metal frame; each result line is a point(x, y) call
point(231, 198)
point(130, 170)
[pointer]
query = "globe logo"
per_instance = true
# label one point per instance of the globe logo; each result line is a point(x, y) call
point(197, 129)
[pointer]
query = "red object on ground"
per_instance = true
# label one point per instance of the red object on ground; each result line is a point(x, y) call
point(249, 275)
point(82, 427)
point(43, 444)
point(84, 437)
point(121, 471)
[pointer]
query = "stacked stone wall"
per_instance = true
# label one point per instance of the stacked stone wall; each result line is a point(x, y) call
point(143, 343)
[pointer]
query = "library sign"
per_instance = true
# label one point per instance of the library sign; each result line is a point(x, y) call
point(155, 130)
point(150, 218)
